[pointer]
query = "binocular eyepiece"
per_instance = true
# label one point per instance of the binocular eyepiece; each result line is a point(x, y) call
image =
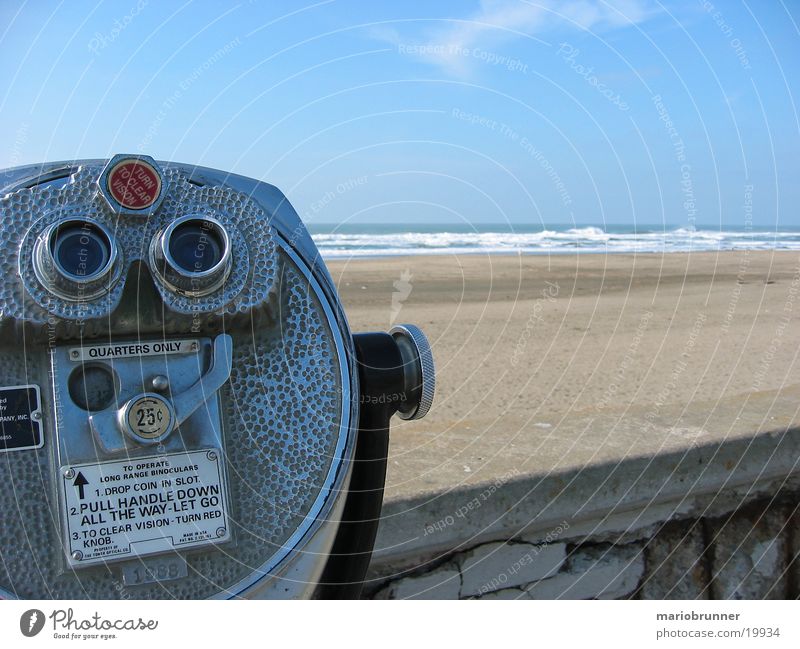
point(183, 409)
point(192, 255)
point(75, 259)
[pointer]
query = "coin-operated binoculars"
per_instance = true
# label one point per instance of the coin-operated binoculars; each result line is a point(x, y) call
point(184, 412)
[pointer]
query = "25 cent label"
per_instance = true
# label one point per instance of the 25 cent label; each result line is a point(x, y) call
point(138, 507)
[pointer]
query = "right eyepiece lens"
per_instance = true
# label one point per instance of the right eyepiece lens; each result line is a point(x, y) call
point(196, 246)
point(192, 255)
point(81, 250)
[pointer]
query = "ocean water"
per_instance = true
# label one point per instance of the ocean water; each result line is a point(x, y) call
point(379, 240)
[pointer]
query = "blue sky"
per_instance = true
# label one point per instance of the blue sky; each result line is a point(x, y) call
point(585, 112)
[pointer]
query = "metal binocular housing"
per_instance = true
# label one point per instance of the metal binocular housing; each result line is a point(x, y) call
point(184, 412)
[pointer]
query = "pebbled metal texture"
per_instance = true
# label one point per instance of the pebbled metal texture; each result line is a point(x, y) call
point(26, 212)
point(288, 416)
point(282, 413)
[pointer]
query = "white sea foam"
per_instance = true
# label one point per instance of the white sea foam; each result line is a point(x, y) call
point(583, 239)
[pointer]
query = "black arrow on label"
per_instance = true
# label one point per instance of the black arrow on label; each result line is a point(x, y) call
point(80, 482)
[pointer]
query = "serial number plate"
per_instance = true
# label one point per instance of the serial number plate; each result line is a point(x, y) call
point(138, 507)
point(152, 570)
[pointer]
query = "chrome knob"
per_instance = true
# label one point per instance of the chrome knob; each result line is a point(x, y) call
point(418, 369)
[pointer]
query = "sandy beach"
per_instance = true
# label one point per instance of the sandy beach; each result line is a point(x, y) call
point(523, 342)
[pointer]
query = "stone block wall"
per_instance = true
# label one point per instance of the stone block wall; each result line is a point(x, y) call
point(750, 552)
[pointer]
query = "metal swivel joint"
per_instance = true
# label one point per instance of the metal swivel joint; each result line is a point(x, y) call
point(396, 375)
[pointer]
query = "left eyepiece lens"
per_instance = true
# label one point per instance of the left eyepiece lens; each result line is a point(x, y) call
point(76, 259)
point(80, 250)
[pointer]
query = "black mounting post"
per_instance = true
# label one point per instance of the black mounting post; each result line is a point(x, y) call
point(382, 380)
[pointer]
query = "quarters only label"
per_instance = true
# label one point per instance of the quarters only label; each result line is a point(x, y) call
point(126, 350)
point(143, 506)
point(20, 418)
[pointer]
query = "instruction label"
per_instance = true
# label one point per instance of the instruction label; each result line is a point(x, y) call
point(137, 507)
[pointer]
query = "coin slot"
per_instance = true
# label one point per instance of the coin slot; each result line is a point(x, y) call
point(93, 386)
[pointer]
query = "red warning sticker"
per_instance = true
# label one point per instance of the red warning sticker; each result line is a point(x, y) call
point(134, 184)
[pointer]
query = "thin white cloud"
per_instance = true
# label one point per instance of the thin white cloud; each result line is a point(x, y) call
point(500, 21)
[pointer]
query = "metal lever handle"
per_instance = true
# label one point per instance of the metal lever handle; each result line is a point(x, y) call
point(109, 425)
point(190, 400)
